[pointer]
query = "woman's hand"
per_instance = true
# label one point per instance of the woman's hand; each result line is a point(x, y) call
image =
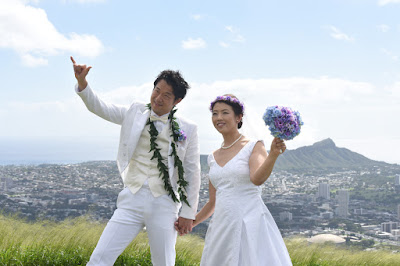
point(277, 147)
point(179, 230)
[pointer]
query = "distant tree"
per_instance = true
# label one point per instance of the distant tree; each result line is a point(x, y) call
point(367, 243)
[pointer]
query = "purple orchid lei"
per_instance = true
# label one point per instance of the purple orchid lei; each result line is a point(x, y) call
point(283, 122)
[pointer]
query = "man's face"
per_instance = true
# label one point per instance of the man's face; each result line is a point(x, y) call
point(162, 98)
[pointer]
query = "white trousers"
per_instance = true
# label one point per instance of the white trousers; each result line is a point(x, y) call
point(134, 211)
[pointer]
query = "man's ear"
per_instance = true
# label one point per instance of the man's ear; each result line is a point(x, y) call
point(177, 101)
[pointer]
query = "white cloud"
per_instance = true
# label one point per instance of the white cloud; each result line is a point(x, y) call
point(331, 107)
point(193, 44)
point(30, 1)
point(27, 30)
point(229, 28)
point(385, 2)
point(224, 44)
point(31, 61)
point(394, 91)
point(383, 27)
point(390, 54)
point(197, 16)
point(236, 36)
point(339, 35)
point(343, 110)
point(84, 1)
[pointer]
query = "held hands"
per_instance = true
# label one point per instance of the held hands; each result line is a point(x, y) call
point(183, 226)
point(277, 147)
point(81, 72)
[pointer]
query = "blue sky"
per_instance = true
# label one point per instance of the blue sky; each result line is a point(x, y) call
point(336, 62)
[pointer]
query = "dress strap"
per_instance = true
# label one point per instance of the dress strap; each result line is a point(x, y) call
point(250, 147)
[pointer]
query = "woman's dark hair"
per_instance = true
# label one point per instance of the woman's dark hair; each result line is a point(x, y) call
point(237, 108)
point(175, 80)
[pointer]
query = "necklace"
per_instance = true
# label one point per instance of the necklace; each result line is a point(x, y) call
point(177, 134)
point(227, 147)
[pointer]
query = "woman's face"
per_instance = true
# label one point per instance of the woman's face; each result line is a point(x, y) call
point(224, 118)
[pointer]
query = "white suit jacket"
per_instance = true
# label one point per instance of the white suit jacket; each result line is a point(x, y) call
point(132, 120)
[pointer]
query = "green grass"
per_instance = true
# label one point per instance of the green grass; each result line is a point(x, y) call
point(303, 253)
point(71, 242)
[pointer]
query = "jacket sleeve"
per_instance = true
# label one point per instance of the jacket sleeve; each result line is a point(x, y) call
point(94, 104)
point(191, 165)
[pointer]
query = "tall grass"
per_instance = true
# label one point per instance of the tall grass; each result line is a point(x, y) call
point(303, 253)
point(71, 242)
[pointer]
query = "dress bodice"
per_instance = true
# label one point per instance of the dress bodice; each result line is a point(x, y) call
point(234, 176)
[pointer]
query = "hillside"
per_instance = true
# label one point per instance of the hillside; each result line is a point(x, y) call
point(324, 154)
point(321, 155)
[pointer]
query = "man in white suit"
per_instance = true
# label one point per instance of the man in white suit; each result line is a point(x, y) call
point(159, 162)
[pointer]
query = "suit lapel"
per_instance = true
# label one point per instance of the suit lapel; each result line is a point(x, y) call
point(137, 128)
point(171, 160)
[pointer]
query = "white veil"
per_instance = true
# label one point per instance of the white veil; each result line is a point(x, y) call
point(254, 126)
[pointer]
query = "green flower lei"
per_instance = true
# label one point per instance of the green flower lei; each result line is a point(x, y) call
point(175, 134)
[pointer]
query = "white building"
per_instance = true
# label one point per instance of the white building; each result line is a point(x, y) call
point(389, 226)
point(324, 191)
point(360, 211)
point(285, 216)
point(397, 180)
point(396, 234)
point(327, 215)
point(398, 212)
point(343, 199)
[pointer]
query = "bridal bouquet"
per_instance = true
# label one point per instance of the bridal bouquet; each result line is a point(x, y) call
point(283, 122)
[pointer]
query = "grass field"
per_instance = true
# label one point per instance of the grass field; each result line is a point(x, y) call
point(72, 241)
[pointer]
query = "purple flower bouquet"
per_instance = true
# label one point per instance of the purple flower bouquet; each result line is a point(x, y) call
point(283, 122)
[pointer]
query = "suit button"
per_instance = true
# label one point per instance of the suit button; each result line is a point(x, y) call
point(124, 154)
point(124, 144)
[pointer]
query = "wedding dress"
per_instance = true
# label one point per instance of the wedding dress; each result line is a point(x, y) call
point(242, 231)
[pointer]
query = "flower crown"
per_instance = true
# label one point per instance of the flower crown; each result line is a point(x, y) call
point(227, 98)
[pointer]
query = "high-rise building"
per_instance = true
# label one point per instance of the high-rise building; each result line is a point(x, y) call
point(397, 180)
point(389, 226)
point(396, 234)
point(343, 199)
point(398, 212)
point(324, 191)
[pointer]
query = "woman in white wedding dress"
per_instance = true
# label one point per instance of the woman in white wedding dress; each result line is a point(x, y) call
point(242, 231)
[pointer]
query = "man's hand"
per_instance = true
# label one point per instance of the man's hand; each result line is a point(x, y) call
point(184, 226)
point(81, 72)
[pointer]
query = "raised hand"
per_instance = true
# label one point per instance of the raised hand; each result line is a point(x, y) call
point(277, 146)
point(81, 72)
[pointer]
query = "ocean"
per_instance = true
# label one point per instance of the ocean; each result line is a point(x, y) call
point(39, 150)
